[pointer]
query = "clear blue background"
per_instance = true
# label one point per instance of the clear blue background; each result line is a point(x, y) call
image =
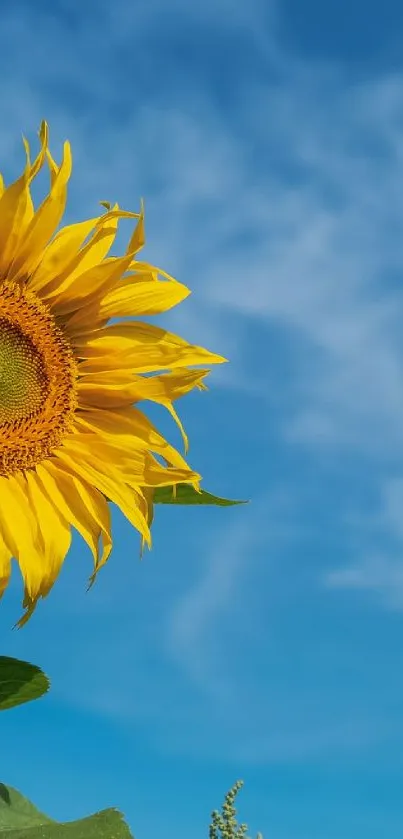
point(260, 642)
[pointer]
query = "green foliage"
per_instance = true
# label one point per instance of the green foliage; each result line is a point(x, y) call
point(17, 812)
point(225, 824)
point(186, 494)
point(19, 819)
point(20, 682)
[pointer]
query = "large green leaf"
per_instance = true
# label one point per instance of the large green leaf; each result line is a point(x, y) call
point(186, 494)
point(17, 811)
point(20, 682)
point(19, 819)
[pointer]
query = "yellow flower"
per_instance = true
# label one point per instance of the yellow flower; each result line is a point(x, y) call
point(71, 439)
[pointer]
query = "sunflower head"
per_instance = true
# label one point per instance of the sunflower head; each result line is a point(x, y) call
point(73, 436)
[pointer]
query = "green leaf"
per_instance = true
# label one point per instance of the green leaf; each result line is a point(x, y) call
point(186, 494)
point(16, 811)
point(19, 819)
point(20, 682)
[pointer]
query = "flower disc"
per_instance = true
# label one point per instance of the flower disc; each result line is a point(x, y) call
point(37, 381)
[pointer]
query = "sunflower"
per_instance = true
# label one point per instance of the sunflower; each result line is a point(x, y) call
point(72, 436)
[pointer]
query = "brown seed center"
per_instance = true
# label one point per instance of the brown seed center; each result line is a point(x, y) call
point(37, 381)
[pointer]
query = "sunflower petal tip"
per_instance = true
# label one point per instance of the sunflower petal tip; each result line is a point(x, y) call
point(91, 580)
point(29, 610)
point(43, 132)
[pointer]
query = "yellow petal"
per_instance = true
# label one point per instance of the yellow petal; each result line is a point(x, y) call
point(141, 346)
point(90, 446)
point(131, 297)
point(109, 483)
point(91, 255)
point(81, 293)
point(81, 505)
point(137, 240)
point(21, 535)
point(16, 206)
point(58, 254)
point(27, 213)
point(117, 390)
point(169, 386)
point(156, 475)
point(44, 222)
point(5, 566)
point(136, 466)
point(55, 537)
point(132, 429)
point(18, 527)
point(120, 388)
point(53, 167)
point(117, 213)
point(106, 392)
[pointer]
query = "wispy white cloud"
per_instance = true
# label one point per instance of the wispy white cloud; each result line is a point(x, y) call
point(378, 567)
point(325, 265)
point(200, 616)
point(379, 574)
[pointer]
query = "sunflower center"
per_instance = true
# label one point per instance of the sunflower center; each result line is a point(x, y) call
point(23, 379)
point(37, 381)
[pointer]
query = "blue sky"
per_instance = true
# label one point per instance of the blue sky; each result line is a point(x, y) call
point(260, 642)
